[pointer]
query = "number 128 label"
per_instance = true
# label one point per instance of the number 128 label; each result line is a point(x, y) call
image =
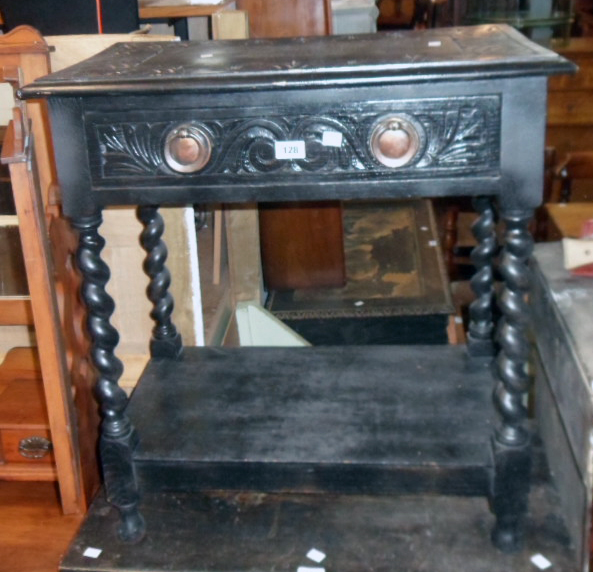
point(290, 150)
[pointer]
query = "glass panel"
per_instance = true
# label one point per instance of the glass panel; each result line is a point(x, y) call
point(541, 20)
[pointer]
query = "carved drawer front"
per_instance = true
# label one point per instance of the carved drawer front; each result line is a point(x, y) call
point(404, 138)
point(26, 446)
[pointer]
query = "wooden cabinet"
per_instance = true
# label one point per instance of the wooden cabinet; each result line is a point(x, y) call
point(570, 101)
point(43, 390)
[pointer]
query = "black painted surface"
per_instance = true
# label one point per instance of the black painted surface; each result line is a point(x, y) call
point(320, 419)
point(111, 114)
point(236, 532)
point(393, 330)
point(467, 52)
point(334, 419)
point(459, 134)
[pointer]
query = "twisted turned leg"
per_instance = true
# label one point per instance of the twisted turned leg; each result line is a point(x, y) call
point(511, 439)
point(166, 341)
point(118, 436)
point(480, 340)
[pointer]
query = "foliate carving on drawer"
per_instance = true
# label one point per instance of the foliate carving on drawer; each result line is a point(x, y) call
point(130, 149)
point(450, 135)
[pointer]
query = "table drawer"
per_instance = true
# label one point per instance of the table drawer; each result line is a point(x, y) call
point(232, 146)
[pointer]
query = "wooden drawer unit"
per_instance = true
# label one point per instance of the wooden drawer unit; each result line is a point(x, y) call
point(25, 438)
point(26, 446)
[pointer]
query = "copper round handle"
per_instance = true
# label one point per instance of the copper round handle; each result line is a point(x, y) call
point(187, 149)
point(395, 141)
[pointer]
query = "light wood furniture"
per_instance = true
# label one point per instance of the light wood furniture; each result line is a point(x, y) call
point(568, 218)
point(276, 19)
point(244, 282)
point(570, 102)
point(46, 408)
point(25, 404)
point(176, 12)
point(179, 9)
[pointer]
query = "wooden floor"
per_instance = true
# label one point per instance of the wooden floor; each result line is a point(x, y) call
point(34, 534)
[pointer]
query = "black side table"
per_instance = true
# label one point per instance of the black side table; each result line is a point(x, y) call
point(416, 114)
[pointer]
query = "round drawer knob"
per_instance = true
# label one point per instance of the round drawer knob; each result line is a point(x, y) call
point(35, 447)
point(187, 149)
point(395, 141)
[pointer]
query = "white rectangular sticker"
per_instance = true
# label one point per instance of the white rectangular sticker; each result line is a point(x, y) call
point(290, 150)
point(316, 555)
point(541, 561)
point(331, 139)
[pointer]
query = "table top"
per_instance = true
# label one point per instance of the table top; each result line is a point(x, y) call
point(179, 9)
point(477, 52)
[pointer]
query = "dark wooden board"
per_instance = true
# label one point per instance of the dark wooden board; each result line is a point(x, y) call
point(464, 52)
point(336, 418)
point(401, 330)
point(262, 533)
point(396, 289)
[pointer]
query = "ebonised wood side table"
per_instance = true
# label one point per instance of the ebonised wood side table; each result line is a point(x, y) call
point(457, 111)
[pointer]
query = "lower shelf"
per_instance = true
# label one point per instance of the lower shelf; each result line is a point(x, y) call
point(365, 419)
point(219, 532)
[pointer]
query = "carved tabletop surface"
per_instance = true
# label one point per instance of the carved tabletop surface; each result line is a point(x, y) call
point(484, 51)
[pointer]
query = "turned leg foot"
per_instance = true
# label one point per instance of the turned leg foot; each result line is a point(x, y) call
point(507, 535)
point(509, 495)
point(132, 527)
